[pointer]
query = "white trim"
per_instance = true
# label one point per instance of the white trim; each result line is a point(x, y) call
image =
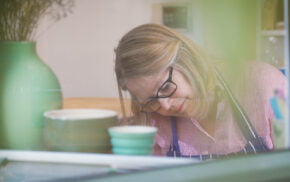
point(116, 161)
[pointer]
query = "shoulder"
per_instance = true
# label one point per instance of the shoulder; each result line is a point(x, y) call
point(265, 76)
point(259, 70)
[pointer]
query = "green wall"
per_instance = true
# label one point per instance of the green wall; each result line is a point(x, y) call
point(230, 28)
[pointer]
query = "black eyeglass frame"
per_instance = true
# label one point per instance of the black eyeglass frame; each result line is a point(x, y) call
point(157, 95)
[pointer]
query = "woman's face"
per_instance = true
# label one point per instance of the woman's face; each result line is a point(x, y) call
point(181, 103)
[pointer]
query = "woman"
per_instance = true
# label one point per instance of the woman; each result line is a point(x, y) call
point(175, 87)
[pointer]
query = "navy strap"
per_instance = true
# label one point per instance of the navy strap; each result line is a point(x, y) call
point(174, 150)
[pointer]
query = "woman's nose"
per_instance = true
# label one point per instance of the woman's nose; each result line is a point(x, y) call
point(165, 103)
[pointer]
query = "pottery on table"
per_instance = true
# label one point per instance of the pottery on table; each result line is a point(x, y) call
point(28, 88)
point(79, 130)
point(132, 140)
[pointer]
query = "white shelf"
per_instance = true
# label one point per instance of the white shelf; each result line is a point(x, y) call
point(111, 160)
point(273, 32)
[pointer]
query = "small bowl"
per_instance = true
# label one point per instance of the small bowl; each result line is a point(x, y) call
point(132, 140)
point(79, 130)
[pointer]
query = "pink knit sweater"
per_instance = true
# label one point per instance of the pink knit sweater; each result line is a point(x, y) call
point(227, 137)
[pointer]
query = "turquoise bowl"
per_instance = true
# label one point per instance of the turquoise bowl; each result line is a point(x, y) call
point(132, 140)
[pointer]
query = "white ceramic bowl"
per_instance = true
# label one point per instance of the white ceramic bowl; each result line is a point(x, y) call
point(79, 130)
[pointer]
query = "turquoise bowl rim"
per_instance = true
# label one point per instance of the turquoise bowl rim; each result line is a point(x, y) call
point(136, 131)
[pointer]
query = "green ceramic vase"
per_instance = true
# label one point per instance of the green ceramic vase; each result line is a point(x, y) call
point(28, 88)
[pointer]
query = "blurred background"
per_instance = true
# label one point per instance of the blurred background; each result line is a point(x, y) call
point(80, 47)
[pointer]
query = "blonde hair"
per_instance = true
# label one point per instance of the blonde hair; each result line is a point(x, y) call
point(152, 48)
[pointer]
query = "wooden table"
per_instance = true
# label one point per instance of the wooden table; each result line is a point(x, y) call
point(96, 103)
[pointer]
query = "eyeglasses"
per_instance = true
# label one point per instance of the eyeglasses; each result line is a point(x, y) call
point(167, 89)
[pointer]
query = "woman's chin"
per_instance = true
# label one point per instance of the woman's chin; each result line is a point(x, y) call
point(177, 114)
point(181, 110)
